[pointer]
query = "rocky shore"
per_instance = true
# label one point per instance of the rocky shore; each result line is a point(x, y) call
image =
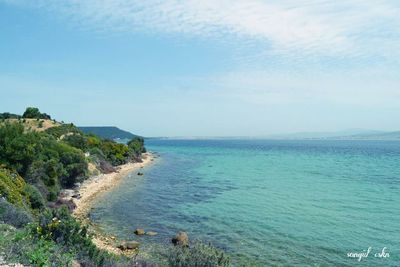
point(83, 197)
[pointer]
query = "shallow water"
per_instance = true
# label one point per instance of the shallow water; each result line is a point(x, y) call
point(267, 202)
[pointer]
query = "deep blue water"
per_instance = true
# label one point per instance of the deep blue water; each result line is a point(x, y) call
point(292, 203)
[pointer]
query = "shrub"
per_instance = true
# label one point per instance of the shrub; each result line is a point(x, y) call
point(17, 148)
point(13, 215)
point(77, 140)
point(200, 255)
point(24, 248)
point(44, 175)
point(74, 164)
point(115, 153)
point(59, 226)
point(12, 187)
point(35, 197)
point(46, 171)
point(137, 146)
point(62, 130)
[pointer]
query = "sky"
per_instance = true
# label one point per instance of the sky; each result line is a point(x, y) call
point(205, 67)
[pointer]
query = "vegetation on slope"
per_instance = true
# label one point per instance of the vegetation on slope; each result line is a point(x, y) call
point(35, 166)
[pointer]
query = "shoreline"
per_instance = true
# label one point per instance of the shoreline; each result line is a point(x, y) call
point(93, 188)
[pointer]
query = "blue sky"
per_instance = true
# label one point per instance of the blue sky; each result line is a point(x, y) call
point(204, 68)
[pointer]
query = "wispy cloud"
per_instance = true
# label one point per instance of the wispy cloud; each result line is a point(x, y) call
point(345, 28)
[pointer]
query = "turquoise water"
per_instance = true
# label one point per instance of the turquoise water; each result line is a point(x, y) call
point(268, 203)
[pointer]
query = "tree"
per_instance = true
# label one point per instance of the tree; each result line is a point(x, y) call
point(76, 140)
point(31, 113)
point(137, 145)
point(34, 113)
point(18, 149)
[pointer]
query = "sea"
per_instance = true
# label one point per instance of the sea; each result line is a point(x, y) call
point(266, 202)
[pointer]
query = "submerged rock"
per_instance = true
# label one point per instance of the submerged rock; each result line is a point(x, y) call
point(151, 233)
point(139, 231)
point(132, 245)
point(129, 245)
point(181, 239)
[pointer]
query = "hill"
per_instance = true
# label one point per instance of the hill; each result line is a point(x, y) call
point(108, 132)
point(374, 136)
point(325, 135)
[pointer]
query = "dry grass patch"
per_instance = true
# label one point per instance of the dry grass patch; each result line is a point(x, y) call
point(38, 125)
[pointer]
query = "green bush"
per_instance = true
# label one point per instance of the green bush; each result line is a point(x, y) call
point(45, 176)
point(115, 153)
point(199, 255)
point(63, 129)
point(25, 248)
point(17, 148)
point(12, 188)
point(13, 215)
point(137, 146)
point(77, 140)
point(59, 226)
point(35, 197)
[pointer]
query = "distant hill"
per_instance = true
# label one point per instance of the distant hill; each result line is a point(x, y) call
point(327, 135)
point(108, 132)
point(373, 136)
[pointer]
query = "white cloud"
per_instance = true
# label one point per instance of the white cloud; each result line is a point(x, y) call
point(310, 27)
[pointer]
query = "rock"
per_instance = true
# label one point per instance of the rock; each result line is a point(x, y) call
point(75, 263)
point(128, 245)
point(140, 173)
point(139, 231)
point(122, 246)
point(132, 245)
point(106, 167)
point(181, 239)
point(67, 193)
point(69, 202)
point(151, 233)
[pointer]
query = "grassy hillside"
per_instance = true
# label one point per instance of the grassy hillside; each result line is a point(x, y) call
point(36, 163)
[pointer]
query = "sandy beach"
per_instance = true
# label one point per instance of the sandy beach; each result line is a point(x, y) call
point(95, 186)
point(92, 188)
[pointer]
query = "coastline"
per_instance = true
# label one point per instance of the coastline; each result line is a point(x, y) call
point(92, 188)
